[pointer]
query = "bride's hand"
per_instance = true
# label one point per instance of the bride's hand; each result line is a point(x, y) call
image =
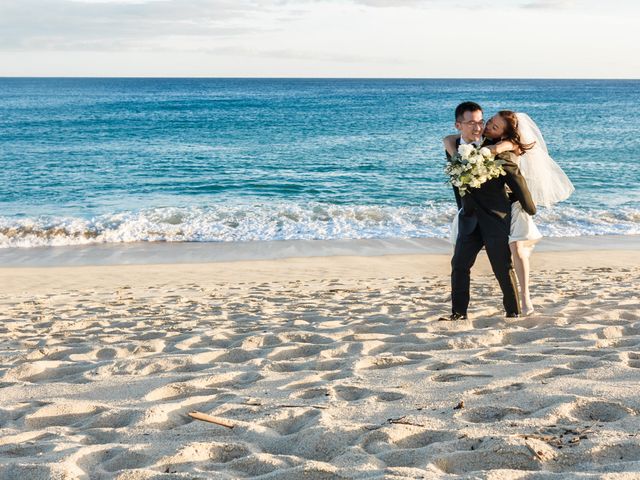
point(493, 149)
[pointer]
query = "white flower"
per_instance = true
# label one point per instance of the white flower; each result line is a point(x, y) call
point(472, 167)
point(465, 150)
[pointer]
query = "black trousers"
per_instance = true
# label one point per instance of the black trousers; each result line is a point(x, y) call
point(468, 245)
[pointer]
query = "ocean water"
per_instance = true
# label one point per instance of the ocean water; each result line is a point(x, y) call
point(227, 160)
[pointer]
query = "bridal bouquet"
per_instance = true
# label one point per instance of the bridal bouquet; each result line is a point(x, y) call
point(471, 167)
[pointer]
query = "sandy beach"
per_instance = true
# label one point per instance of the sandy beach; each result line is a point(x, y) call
point(325, 367)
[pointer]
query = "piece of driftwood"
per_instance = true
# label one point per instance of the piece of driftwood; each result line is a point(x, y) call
point(539, 455)
point(559, 437)
point(321, 407)
point(403, 421)
point(255, 403)
point(211, 419)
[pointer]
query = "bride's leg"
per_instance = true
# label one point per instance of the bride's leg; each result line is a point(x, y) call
point(520, 252)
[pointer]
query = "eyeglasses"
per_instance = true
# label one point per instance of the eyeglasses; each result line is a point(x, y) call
point(473, 124)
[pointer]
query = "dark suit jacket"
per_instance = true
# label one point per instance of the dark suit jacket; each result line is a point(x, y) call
point(490, 204)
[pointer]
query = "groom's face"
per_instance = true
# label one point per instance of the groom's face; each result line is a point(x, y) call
point(470, 125)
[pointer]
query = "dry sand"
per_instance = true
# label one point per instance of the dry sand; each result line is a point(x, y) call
point(328, 368)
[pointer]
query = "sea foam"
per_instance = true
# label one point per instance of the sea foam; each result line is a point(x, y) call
point(286, 221)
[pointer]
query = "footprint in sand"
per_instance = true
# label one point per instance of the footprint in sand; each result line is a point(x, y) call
point(377, 363)
point(490, 414)
point(624, 452)
point(584, 364)
point(112, 419)
point(315, 442)
point(179, 390)
point(491, 453)
point(599, 411)
point(27, 445)
point(509, 356)
point(295, 352)
point(61, 414)
point(292, 420)
point(258, 341)
point(337, 375)
point(389, 396)
point(305, 337)
point(259, 464)
point(524, 358)
point(350, 394)
point(408, 458)
point(318, 392)
point(456, 377)
point(633, 360)
point(411, 437)
point(416, 355)
point(422, 438)
point(8, 416)
point(233, 379)
point(237, 355)
point(404, 437)
point(318, 366)
point(49, 371)
point(207, 456)
point(114, 459)
point(100, 436)
point(111, 353)
point(512, 387)
point(554, 372)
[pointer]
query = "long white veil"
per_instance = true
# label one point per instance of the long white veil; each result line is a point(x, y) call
point(547, 182)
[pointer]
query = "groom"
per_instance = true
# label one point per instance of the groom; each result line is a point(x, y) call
point(485, 220)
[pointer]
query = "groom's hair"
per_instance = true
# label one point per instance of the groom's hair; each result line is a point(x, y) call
point(466, 107)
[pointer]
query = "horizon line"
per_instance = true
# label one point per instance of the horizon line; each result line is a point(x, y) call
point(230, 77)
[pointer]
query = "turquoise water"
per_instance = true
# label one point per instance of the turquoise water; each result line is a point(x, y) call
point(122, 160)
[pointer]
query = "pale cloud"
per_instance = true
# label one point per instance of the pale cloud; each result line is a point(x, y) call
point(379, 38)
point(314, 55)
point(396, 3)
point(550, 4)
point(66, 25)
point(82, 25)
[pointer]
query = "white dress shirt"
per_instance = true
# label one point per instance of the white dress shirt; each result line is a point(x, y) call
point(475, 144)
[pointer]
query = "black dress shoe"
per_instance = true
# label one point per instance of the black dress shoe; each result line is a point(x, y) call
point(512, 315)
point(453, 317)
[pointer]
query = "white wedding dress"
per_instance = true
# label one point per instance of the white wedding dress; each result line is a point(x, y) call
point(523, 228)
point(546, 181)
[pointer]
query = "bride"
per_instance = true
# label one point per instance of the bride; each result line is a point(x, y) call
point(548, 184)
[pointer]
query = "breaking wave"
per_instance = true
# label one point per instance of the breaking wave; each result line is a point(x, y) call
point(285, 221)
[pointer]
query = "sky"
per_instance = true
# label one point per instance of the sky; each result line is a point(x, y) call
point(321, 38)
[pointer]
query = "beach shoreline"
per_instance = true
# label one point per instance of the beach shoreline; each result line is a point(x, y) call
point(146, 253)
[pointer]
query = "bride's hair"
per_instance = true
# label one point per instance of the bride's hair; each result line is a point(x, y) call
point(512, 133)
